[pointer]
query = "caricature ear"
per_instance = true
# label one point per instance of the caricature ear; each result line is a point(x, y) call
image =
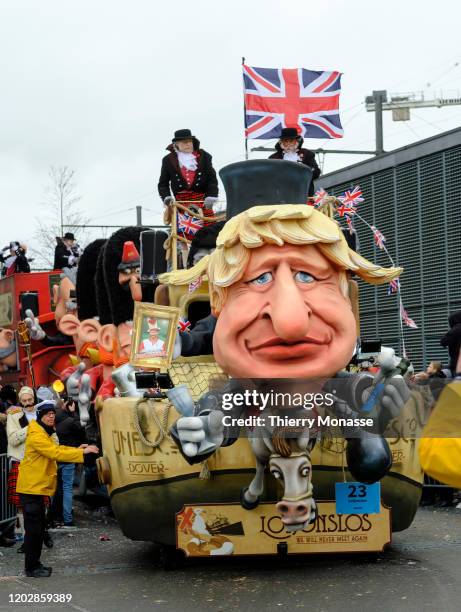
point(69, 325)
point(9, 334)
point(89, 329)
point(105, 336)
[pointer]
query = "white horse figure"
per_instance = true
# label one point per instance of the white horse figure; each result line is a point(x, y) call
point(289, 461)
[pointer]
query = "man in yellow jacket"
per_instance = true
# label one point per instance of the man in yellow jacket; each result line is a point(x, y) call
point(37, 480)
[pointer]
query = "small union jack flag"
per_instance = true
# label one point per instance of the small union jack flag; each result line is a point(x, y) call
point(183, 325)
point(350, 225)
point(319, 196)
point(346, 209)
point(394, 286)
point(379, 237)
point(188, 225)
point(352, 198)
point(406, 319)
point(195, 284)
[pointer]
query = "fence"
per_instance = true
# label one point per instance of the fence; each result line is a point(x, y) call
point(7, 511)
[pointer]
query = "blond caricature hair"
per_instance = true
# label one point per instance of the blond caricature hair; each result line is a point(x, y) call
point(276, 224)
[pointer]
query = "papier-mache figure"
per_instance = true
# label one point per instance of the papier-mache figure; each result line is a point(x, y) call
point(188, 176)
point(279, 289)
point(121, 265)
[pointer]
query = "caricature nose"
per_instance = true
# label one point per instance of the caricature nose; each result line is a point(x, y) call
point(292, 512)
point(289, 312)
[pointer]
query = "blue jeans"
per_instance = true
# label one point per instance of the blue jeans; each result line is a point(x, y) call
point(66, 485)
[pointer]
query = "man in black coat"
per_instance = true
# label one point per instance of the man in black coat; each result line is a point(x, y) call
point(452, 339)
point(187, 175)
point(70, 433)
point(66, 252)
point(289, 147)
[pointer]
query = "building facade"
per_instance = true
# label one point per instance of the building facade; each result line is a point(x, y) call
point(413, 196)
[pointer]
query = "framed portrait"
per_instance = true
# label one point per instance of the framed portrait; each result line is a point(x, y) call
point(154, 332)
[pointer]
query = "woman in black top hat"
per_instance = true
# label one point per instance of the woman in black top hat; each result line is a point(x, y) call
point(289, 147)
point(188, 175)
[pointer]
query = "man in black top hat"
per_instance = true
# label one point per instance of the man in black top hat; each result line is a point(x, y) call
point(289, 148)
point(188, 175)
point(67, 252)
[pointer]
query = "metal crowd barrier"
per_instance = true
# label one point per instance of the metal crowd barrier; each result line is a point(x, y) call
point(7, 511)
point(432, 483)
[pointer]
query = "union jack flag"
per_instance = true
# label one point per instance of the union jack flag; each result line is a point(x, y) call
point(188, 225)
point(350, 225)
point(319, 196)
point(346, 209)
point(291, 97)
point(379, 237)
point(394, 286)
point(183, 325)
point(352, 198)
point(406, 319)
point(195, 284)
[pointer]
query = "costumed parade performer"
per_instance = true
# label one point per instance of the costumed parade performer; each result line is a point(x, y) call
point(290, 148)
point(67, 252)
point(187, 175)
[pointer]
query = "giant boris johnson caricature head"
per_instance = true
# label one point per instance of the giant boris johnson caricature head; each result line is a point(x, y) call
point(279, 278)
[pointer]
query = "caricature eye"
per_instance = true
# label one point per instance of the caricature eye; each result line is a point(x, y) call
point(304, 277)
point(262, 279)
point(276, 474)
point(127, 271)
point(305, 471)
point(137, 270)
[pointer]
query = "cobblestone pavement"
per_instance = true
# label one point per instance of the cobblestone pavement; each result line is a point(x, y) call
point(421, 570)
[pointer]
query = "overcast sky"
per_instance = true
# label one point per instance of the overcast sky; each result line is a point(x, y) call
point(101, 85)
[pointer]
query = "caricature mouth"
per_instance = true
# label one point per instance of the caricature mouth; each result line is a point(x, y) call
point(278, 349)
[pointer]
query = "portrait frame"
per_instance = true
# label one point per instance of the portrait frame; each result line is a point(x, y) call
point(146, 319)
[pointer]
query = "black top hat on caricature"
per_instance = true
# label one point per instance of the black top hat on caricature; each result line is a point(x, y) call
point(264, 181)
point(183, 135)
point(85, 287)
point(69, 236)
point(289, 132)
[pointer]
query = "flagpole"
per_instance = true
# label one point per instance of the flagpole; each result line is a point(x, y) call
point(244, 112)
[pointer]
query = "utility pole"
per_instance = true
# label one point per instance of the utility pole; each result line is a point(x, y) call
point(138, 215)
point(400, 105)
point(379, 97)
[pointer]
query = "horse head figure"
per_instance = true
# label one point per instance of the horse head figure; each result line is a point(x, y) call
point(290, 463)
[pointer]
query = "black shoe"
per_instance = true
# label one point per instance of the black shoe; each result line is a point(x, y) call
point(39, 572)
point(7, 542)
point(45, 567)
point(21, 549)
point(48, 540)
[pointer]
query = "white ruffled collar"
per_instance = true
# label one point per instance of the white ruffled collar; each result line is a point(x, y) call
point(187, 160)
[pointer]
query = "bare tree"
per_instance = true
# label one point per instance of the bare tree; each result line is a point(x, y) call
point(59, 214)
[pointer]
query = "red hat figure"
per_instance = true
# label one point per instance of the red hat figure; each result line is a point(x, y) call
point(130, 256)
point(152, 324)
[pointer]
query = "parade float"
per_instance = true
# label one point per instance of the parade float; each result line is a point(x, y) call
point(47, 295)
point(173, 478)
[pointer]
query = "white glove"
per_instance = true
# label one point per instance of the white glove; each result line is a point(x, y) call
point(168, 200)
point(177, 346)
point(125, 381)
point(35, 329)
point(74, 381)
point(200, 433)
point(84, 399)
point(71, 259)
point(209, 202)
